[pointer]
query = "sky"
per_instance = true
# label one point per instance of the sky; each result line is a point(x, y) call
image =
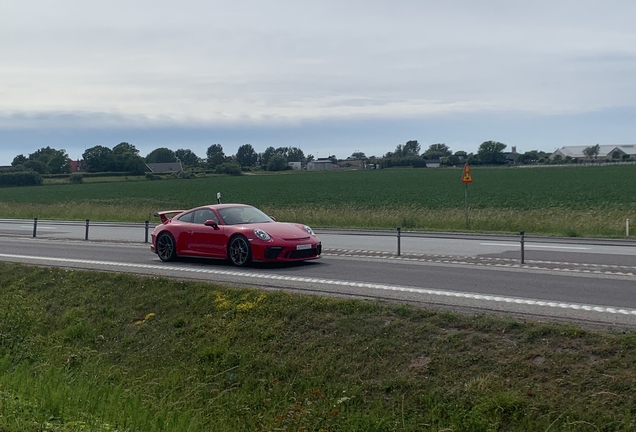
point(331, 77)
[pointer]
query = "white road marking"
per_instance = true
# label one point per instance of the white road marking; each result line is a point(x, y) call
point(39, 227)
point(335, 282)
point(530, 246)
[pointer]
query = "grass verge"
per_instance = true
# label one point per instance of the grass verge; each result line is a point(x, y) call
point(104, 352)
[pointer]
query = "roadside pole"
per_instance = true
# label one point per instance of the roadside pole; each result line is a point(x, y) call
point(467, 177)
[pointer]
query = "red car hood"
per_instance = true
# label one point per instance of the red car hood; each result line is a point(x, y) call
point(287, 231)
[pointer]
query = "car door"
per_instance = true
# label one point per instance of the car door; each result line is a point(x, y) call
point(182, 231)
point(205, 240)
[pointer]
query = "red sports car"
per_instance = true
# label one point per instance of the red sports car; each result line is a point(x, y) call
point(238, 232)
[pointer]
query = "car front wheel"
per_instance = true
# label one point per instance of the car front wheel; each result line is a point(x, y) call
point(239, 251)
point(166, 247)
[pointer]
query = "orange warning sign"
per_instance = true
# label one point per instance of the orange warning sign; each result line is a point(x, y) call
point(467, 177)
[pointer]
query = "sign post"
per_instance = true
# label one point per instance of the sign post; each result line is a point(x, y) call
point(467, 177)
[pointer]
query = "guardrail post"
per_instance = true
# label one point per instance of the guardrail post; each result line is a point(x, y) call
point(147, 222)
point(86, 235)
point(399, 239)
point(35, 227)
point(523, 240)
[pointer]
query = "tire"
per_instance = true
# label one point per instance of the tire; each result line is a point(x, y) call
point(166, 247)
point(239, 252)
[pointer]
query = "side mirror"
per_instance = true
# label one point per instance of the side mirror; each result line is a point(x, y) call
point(212, 224)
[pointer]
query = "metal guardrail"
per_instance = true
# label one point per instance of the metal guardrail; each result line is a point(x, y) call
point(86, 224)
point(399, 234)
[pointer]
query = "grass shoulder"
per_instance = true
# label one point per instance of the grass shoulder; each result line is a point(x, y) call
point(126, 353)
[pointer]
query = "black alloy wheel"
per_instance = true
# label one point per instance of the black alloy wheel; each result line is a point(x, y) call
point(239, 251)
point(166, 247)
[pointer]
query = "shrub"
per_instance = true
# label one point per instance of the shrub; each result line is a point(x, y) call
point(151, 176)
point(277, 163)
point(24, 178)
point(229, 169)
point(76, 178)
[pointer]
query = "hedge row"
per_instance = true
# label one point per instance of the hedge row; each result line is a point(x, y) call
point(23, 178)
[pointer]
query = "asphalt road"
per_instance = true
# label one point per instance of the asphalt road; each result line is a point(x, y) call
point(588, 281)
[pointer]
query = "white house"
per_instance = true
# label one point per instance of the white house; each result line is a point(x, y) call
point(605, 151)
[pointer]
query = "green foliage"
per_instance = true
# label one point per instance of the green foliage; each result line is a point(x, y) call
point(76, 178)
point(104, 352)
point(161, 155)
point(491, 153)
point(277, 163)
point(246, 156)
point(215, 155)
point(124, 157)
point(436, 151)
point(229, 168)
point(187, 157)
point(403, 161)
point(98, 159)
point(592, 152)
point(43, 161)
point(20, 178)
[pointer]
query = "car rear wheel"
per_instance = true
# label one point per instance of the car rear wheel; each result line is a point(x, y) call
point(166, 247)
point(239, 251)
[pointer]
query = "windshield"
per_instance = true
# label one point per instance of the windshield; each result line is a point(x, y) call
point(243, 215)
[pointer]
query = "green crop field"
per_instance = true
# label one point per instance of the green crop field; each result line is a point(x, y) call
point(573, 201)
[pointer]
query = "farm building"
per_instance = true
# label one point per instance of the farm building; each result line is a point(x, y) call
point(605, 152)
point(77, 166)
point(295, 165)
point(164, 167)
point(321, 164)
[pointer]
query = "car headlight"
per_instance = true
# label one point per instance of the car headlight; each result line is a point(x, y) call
point(309, 230)
point(261, 234)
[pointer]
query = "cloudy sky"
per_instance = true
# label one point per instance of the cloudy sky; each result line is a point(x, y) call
point(330, 77)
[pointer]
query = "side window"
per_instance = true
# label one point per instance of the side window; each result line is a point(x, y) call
point(200, 216)
point(186, 217)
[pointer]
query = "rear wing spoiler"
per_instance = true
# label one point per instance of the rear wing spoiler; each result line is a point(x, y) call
point(164, 217)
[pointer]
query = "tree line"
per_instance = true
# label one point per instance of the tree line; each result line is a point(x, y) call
point(124, 157)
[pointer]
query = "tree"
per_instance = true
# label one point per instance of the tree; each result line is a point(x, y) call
point(47, 160)
point(358, 155)
point(215, 155)
point(436, 151)
point(592, 152)
point(124, 147)
point(294, 154)
point(266, 156)
point(187, 157)
point(126, 159)
point(98, 159)
point(246, 156)
point(19, 160)
point(277, 163)
point(161, 155)
point(491, 152)
point(411, 148)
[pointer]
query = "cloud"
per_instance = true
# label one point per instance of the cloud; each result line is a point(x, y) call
point(284, 64)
